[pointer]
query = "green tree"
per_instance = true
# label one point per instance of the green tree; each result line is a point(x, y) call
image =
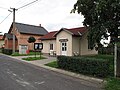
point(100, 17)
point(31, 39)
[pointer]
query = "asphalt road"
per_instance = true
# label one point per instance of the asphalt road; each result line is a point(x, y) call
point(18, 75)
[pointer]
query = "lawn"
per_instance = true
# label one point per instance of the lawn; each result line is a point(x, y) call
point(110, 57)
point(113, 84)
point(31, 53)
point(33, 58)
point(52, 64)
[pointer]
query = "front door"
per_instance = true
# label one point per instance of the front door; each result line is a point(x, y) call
point(23, 49)
point(64, 48)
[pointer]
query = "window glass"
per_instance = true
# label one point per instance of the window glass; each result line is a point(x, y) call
point(51, 46)
point(64, 46)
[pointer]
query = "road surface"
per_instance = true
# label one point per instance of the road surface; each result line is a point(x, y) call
point(18, 75)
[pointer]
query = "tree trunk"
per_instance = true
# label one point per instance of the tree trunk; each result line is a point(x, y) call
point(118, 64)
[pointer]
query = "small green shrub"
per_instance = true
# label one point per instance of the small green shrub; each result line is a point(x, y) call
point(33, 58)
point(89, 66)
point(31, 53)
point(7, 51)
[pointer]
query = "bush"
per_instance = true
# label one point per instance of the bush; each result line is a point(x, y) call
point(89, 66)
point(7, 51)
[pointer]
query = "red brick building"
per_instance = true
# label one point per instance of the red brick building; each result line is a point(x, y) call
point(22, 32)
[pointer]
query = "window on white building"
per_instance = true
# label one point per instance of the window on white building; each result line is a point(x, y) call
point(51, 46)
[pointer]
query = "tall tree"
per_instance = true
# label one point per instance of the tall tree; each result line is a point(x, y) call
point(101, 16)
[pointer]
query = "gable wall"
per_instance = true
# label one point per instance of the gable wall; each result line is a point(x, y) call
point(64, 35)
point(22, 40)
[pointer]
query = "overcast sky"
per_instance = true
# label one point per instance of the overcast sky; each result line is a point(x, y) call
point(51, 14)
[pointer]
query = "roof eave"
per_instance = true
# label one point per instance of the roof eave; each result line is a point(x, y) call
point(31, 33)
point(62, 30)
point(48, 39)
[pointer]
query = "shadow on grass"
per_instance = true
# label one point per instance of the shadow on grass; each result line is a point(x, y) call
point(52, 64)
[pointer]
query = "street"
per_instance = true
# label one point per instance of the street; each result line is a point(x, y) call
point(18, 75)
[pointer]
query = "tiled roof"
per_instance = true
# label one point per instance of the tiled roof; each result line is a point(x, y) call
point(9, 36)
point(48, 36)
point(77, 31)
point(30, 29)
point(74, 31)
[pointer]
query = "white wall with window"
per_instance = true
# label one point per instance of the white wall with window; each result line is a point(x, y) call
point(64, 43)
point(49, 46)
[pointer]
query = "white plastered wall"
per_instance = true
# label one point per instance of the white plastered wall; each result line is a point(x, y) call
point(46, 45)
point(84, 46)
point(64, 35)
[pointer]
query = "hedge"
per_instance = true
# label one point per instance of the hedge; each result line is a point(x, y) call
point(88, 66)
point(7, 51)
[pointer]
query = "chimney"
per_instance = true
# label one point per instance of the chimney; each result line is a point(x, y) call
point(40, 25)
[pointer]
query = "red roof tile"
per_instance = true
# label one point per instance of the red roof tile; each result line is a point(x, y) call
point(77, 31)
point(48, 36)
point(74, 31)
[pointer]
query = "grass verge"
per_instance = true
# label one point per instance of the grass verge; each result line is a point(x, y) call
point(52, 64)
point(113, 84)
point(31, 53)
point(33, 58)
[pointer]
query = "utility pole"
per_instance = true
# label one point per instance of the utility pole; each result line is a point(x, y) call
point(13, 10)
point(13, 28)
point(115, 59)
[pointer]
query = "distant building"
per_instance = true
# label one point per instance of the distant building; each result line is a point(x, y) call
point(1, 41)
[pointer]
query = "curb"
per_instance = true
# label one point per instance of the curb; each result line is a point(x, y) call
point(80, 76)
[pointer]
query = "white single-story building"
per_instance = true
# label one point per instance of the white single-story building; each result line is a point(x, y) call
point(68, 42)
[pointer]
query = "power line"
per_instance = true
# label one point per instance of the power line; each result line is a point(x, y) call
point(5, 18)
point(14, 9)
point(21, 2)
point(27, 4)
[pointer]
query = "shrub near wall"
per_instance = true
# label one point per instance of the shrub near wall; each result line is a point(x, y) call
point(7, 51)
point(89, 66)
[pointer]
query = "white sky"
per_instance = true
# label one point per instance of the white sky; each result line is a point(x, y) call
point(51, 14)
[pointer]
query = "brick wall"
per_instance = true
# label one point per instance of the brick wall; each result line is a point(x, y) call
point(9, 44)
point(22, 40)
